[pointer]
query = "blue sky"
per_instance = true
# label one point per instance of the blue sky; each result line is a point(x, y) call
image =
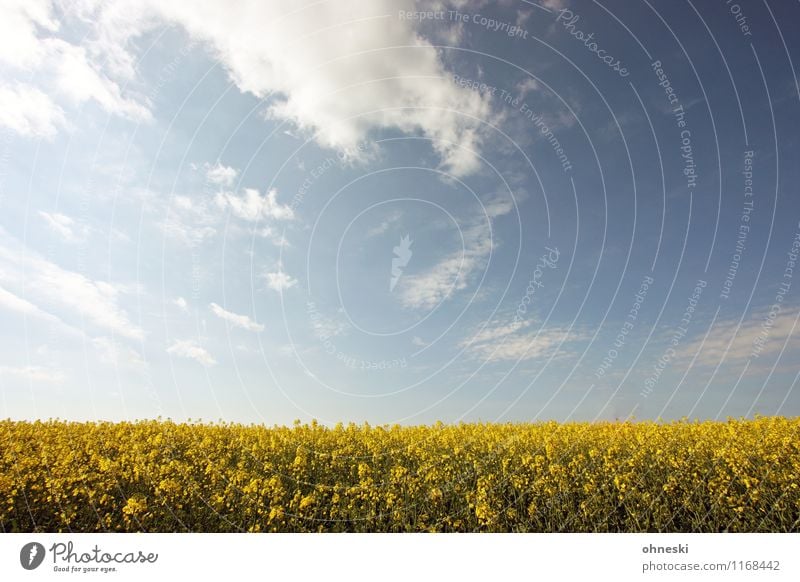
point(398, 212)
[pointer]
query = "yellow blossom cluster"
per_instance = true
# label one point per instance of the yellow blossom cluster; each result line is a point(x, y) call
point(739, 475)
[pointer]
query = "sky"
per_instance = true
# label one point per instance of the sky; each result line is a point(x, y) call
point(399, 212)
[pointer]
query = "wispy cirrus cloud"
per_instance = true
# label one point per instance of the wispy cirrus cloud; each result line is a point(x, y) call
point(514, 341)
point(457, 270)
point(12, 302)
point(64, 226)
point(66, 292)
point(384, 225)
point(235, 319)
point(759, 339)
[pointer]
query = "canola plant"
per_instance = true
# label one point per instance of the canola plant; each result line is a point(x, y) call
point(161, 476)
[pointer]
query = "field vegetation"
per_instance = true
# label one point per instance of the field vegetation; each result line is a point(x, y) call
point(160, 476)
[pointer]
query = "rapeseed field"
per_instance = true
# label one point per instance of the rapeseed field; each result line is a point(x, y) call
point(161, 476)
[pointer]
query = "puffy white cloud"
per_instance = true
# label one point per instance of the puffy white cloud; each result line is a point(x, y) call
point(337, 70)
point(192, 220)
point(181, 303)
point(235, 319)
point(220, 174)
point(252, 206)
point(32, 40)
point(20, 20)
point(191, 350)
point(78, 79)
point(279, 281)
point(29, 112)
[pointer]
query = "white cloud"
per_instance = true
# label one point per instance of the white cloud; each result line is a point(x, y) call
point(79, 81)
point(29, 112)
point(334, 75)
point(32, 374)
point(384, 225)
point(192, 220)
point(499, 205)
point(188, 220)
point(554, 4)
point(729, 342)
point(114, 353)
point(453, 273)
point(336, 70)
point(278, 239)
point(252, 206)
point(180, 302)
point(235, 319)
point(511, 342)
point(456, 270)
point(59, 223)
point(64, 226)
point(191, 350)
point(12, 302)
point(437, 284)
point(33, 45)
point(19, 20)
point(377, 230)
point(528, 85)
point(97, 302)
point(327, 327)
point(497, 330)
point(220, 174)
point(186, 234)
point(279, 281)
